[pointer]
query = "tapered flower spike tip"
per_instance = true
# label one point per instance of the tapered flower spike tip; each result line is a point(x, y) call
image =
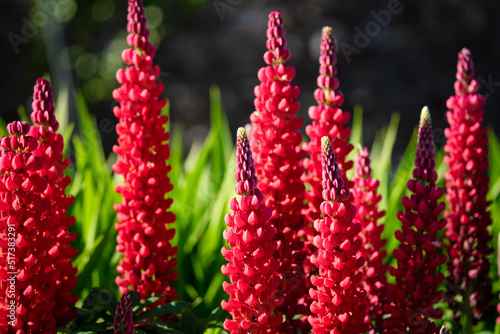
point(137, 27)
point(425, 156)
point(241, 134)
point(333, 184)
point(276, 42)
point(43, 105)
point(326, 146)
point(465, 73)
point(245, 170)
point(326, 32)
point(327, 80)
point(362, 168)
point(425, 117)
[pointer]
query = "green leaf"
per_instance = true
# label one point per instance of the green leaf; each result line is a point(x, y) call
point(171, 308)
point(357, 126)
point(62, 110)
point(94, 328)
point(190, 324)
point(156, 327)
point(94, 255)
point(21, 112)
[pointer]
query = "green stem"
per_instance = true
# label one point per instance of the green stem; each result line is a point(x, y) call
point(467, 311)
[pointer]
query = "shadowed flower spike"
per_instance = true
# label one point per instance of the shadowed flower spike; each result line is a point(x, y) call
point(252, 267)
point(27, 271)
point(144, 238)
point(278, 163)
point(124, 324)
point(416, 273)
point(340, 303)
point(466, 187)
point(365, 198)
point(50, 147)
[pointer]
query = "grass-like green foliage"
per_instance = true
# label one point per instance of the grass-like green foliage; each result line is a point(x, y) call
point(203, 185)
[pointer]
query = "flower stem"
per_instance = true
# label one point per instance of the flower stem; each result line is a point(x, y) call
point(468, 311)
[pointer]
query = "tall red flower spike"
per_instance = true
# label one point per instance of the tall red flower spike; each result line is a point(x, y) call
point(148, 266)
point(28, 279)
point(415, 291)
point(252, 267)
point(275, 143)
point(365, 198)
point(466, 188)
point(340, 302)
point(329, 120)
point(50, 147)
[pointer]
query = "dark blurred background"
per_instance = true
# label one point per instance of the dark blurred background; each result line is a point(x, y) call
point(392, 55)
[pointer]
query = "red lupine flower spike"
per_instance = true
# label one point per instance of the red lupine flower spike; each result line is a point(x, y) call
point(278, 163)
point(328, 119)
point(417, 274)
point(252, 268)
point(366, 200)
point(466, 185)
point(27, 264)
point(144, 237)
point(340, 303)
point(50, 147)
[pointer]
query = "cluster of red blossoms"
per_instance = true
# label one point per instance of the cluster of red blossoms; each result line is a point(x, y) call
point(144, 237)
point(339, 298)
point(342, 256)
point(36, 269)
point(275, 142)
point(366, 200)
point(327, 120)
point(252, 267)
point(418, 257)
point(279, 246)
point(466, 188)
point(50, 147)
